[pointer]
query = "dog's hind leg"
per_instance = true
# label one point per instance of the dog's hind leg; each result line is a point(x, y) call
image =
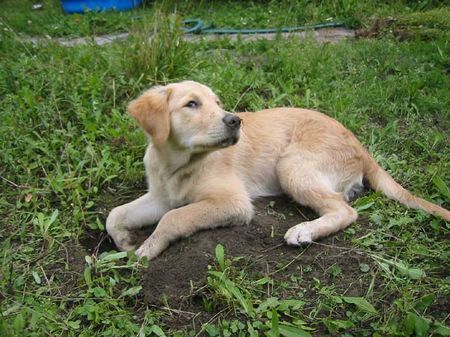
point(310, 187)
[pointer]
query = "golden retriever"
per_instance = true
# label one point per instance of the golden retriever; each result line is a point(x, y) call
point(205, 166)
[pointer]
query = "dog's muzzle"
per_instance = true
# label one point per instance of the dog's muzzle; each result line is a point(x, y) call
point(233, 124)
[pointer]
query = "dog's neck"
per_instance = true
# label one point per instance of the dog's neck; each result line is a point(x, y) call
point(174, 158)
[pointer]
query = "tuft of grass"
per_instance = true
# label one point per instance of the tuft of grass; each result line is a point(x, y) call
point(156, 51)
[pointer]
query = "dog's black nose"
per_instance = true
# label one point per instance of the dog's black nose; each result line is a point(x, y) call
point(232, 121)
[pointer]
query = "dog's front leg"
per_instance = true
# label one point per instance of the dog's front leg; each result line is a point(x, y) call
point(184, 221)
point(144, 211)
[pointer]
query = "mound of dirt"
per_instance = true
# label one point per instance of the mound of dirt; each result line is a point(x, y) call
point(183, 267)
point(186, 261)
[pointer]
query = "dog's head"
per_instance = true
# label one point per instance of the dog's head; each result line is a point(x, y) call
point(185, 114)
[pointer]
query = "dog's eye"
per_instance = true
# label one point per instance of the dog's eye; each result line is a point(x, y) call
point(192, 104)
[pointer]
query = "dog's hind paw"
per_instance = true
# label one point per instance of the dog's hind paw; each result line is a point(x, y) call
point(298, 235)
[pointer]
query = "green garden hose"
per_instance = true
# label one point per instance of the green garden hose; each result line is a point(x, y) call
point(197, 26)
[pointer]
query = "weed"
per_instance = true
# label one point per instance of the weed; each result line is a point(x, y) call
point(271, 316)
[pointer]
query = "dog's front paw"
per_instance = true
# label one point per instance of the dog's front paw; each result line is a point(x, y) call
point(299, 235)
point(151, 248)
point(122, 237)
point(124, 242)
point(145, 250)
point(142, 251)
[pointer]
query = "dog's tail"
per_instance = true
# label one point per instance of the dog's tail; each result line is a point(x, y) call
point(381, 181)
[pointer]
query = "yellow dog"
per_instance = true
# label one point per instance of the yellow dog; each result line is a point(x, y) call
point(205, 166)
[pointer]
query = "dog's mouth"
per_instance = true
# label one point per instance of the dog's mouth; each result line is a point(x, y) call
point(231, 140)
point(220, 142)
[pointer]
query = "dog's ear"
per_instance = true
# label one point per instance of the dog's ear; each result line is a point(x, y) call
point(151, 111)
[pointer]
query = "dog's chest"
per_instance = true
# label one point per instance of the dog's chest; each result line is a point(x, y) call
point(178, 188)
point(174, 188)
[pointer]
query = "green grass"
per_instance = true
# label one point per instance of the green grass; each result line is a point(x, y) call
point(69, 152)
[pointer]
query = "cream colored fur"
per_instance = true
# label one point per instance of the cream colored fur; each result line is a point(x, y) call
point(198, 179)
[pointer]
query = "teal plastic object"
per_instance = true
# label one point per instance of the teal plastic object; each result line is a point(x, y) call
point(197, 26)
point(81, 6)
